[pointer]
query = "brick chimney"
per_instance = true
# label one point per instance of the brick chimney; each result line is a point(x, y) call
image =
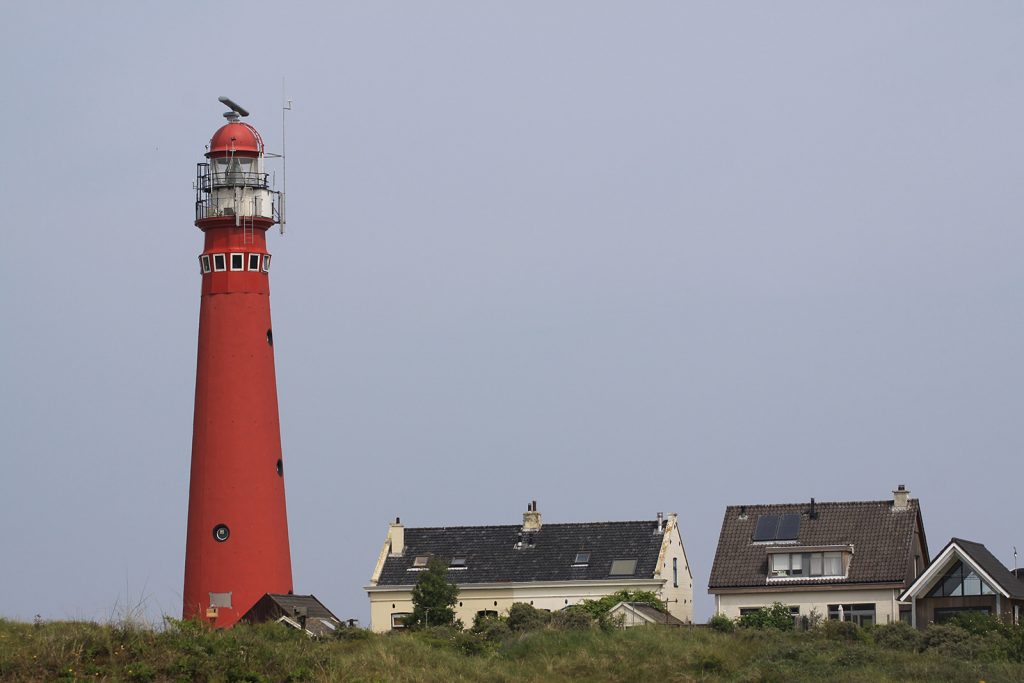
point(531, 518)
point(900, 498)
point(396, 534)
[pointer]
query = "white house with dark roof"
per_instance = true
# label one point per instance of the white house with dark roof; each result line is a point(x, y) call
point(549, 566)
point(965, 577)
point(843, 560)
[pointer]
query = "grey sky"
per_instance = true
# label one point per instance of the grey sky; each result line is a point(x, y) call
point(616, 257)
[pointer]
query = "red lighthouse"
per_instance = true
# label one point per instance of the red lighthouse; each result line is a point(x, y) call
point(237, 544)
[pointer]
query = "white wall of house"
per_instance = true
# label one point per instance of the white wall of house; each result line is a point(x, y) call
point(887, 607)
point(678, 598)
point(473, 598)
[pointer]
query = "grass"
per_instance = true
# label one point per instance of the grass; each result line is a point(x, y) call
point(82, 651)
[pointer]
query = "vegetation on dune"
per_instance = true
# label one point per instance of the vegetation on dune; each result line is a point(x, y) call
point(524, 645)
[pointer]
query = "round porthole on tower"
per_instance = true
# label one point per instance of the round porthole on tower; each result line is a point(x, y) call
point(221, 533)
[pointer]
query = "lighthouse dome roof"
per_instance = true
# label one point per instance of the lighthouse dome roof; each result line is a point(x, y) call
point(237, 137)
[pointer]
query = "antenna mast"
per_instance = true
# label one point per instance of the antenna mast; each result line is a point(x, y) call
point(286, 105)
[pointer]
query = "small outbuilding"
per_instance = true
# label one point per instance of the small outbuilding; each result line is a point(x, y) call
point(630, 614)
point(303, 612)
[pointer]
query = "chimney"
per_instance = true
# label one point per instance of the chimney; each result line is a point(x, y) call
point(661, 522)
point(900, 498)
point(531, 518)
point(396, 534)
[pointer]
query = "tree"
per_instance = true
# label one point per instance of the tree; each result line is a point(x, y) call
point(433, 598)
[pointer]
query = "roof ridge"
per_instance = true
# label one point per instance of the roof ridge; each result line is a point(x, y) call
point(519, 526)
point(817, 503)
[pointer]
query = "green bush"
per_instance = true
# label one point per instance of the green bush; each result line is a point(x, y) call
point(777, 616)
point(898, 636)
point(721, 623)
point(572, 618)
point(834, 629)
point(523, 617)
point(491, 629)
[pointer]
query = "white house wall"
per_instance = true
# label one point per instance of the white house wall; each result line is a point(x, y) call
point(887, 608)
point(473, 599)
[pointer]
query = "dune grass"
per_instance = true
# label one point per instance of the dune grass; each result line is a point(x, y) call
point(80, 651)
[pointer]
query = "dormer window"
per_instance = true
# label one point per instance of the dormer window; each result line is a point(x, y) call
point(623, 567)
point(823, 564)
point(581, 559)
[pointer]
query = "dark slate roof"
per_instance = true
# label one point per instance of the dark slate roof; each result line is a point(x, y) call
point(492, 557)
point(991, 566)
point(881, 536)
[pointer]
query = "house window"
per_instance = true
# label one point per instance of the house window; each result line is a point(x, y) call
point(219, 263)
point(946, 613)
point(238, 262)
point(806, 564)
point(398, 619)
point(205, 261)
point(623, 568)
point(861, 614)
point(458, 562)
point(959, 581)
point(487, 614)
point(582, 558)
point(675, 572)
point(254, 262)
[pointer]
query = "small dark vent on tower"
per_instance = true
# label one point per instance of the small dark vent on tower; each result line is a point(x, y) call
point(270, 337)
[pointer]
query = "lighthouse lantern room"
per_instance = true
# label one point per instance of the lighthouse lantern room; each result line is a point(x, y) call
point(236, 547)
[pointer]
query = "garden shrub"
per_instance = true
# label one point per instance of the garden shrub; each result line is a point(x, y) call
point(721, 623)
point(524, 617)
point(572, 618)
point(898, 636)
point(777, 616)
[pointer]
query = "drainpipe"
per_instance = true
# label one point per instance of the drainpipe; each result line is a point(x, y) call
point(913, 611)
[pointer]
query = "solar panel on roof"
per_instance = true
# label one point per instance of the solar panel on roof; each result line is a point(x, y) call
point(789, 528)
point(767, 528)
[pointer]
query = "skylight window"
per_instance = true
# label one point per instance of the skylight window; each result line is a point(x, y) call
point(421, 561)
point(623, 567)
point(582, 558)
point(459, 561)
point(777, 528)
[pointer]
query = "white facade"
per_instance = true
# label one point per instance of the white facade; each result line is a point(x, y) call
point(808, 600)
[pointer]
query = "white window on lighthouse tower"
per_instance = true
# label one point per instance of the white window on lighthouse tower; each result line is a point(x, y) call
point(254, 262)
point(238, 262)
point(219, 263)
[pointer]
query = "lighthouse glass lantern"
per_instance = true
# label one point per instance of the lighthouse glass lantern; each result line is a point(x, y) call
point(236, 548)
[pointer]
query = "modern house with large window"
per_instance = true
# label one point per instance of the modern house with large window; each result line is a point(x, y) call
point(965, 577)
point(549, 566)
point(846, 560)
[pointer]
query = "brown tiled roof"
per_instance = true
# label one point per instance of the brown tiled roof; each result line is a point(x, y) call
point(882, 539)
